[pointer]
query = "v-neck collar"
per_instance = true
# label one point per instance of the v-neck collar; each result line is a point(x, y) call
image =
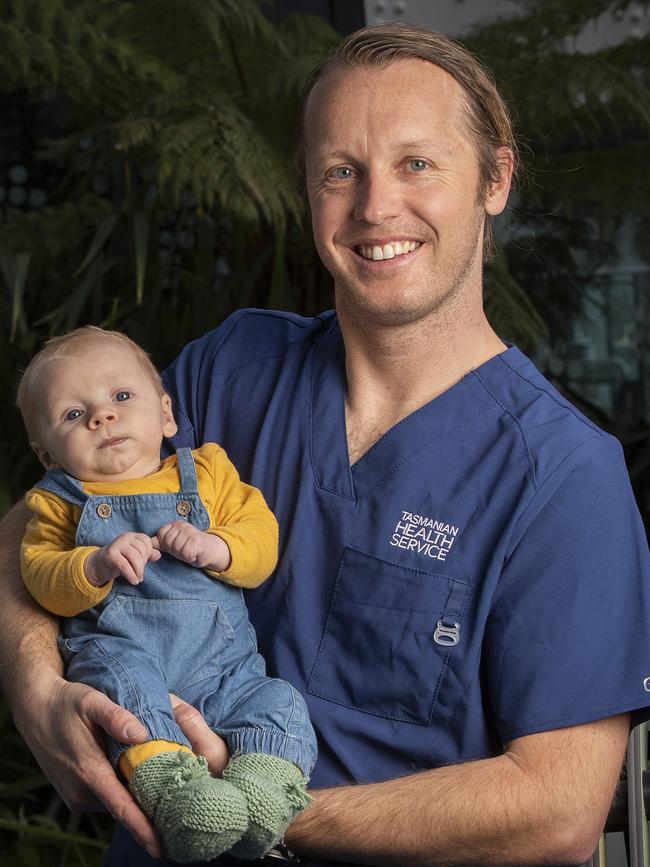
point(465, 401)
point(329, 442)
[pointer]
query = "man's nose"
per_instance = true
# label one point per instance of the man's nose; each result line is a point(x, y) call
point(101, 415)
point(378, 199)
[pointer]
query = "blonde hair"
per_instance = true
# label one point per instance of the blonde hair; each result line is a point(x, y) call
point(62, 347)
point(487, 114)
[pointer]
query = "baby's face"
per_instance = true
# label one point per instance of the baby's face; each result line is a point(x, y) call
point(103, 419)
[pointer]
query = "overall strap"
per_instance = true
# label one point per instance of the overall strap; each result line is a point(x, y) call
point(67, 487)
point(187, 471)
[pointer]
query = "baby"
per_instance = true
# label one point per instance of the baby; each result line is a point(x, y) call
point(146, 561)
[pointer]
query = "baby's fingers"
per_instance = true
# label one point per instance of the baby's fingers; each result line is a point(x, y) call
point(170, 535)
point(189, 550)
point(127, 570)
point(162, 537)
point(137, 555)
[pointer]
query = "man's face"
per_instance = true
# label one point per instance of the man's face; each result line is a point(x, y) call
point(102, 417)
point(392, 178)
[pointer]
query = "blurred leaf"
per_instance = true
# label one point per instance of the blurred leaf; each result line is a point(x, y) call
point(103, 233)
point(23, 786)
point(49, 833)
point(141, 225)
point(14, 269)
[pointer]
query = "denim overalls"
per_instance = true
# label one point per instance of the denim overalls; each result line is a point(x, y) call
point(178, 631)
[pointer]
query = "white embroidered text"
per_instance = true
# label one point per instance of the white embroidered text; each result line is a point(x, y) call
point(426, 536)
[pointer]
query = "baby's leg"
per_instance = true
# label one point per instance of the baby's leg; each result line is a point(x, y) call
point(197, 816)
point(273, 746)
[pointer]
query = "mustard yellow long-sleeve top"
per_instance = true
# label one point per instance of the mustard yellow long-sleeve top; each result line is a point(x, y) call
point(53, 566)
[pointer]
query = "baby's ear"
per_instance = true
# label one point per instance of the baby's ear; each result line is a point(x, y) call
point(42, 455)
point(169, 425)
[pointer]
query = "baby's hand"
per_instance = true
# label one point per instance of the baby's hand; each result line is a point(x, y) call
point(193, 546)
point(127, 555)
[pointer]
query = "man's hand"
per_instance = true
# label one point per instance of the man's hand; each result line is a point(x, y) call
point(202, 739)
point(64, 725)
point(193, 546)
point(127, 555)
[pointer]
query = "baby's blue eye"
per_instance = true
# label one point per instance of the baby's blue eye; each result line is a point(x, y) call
point(123, 395)
point(73, 414)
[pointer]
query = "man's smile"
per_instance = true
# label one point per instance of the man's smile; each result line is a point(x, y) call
point(389, 250)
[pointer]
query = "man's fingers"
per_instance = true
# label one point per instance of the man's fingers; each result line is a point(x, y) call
point(123, 808)
point(122, 725)
point(116, 721)
point(203, 740)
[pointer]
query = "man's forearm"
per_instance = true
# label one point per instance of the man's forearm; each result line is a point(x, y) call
point(458, 815)
point(506, 810)
point(27, 632)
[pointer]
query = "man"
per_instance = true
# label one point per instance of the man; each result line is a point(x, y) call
point(462, 594)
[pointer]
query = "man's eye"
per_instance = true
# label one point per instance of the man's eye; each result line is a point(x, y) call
point(123, 395)
point(73, 414)
point(418, 165)
point(342, 173)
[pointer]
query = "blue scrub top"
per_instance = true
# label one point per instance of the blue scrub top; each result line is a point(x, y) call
point(480, 574)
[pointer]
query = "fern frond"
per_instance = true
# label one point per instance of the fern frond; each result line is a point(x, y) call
point(136, 132)
point(14, 57)
point(309, 40)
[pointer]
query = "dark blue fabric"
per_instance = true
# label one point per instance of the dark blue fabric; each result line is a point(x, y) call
point(480, 574)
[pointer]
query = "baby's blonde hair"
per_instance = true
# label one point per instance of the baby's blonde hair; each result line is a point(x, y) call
point(63, 346)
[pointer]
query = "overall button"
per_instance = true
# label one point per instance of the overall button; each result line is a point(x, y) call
point(183, 508)
point(104, 510)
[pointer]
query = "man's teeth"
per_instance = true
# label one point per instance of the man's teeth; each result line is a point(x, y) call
point(388, 251)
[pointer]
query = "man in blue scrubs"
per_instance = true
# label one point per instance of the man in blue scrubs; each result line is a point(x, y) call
point(462, 594)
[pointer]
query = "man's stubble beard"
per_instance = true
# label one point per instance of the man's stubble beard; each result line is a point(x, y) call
point(361, 308)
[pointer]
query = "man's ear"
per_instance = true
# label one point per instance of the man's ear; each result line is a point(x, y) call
point(169, 425)
point(42, 455)
point(497, 194)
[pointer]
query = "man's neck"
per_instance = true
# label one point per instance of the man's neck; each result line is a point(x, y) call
point(393, 371)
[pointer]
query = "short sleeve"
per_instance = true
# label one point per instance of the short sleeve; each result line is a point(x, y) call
point(568, 639)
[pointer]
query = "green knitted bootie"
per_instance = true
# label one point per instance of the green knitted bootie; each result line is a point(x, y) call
point(275, 792)
point(197, 816)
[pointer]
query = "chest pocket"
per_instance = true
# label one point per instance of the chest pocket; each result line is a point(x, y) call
point(389, 634)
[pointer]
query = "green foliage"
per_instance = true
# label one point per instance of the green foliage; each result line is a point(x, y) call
point(175, 174)
point(583, 122)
